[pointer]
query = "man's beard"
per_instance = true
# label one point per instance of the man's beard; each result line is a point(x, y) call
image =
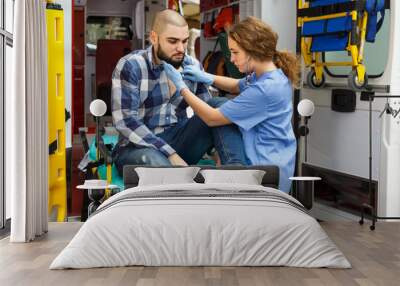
point(163, 56)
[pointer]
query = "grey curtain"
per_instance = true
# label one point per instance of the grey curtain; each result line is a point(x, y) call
point(26, 124)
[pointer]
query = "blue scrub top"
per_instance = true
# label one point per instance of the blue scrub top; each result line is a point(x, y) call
point(263, 112)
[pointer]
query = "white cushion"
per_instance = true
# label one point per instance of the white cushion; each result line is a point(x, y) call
point(248, 177)
point(166, 176)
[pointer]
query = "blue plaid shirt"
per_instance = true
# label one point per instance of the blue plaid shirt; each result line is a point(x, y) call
point(142, 105)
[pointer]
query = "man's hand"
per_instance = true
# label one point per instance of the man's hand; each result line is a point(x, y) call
point(176, 160)
point(175, 76)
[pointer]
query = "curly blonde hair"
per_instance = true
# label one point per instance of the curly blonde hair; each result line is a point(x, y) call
point(259, 41)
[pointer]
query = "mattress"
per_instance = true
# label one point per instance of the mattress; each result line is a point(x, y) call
point(201, 225)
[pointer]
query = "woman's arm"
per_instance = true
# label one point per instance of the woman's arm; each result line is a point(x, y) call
point(228, 84)
point(195, 74)
point(211, 116)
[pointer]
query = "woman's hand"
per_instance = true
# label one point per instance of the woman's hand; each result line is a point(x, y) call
point(193, 73)
point(175, 76)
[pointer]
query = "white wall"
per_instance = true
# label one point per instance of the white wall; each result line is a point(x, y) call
point(340, 141)
point(281, 15)
point(389, 195)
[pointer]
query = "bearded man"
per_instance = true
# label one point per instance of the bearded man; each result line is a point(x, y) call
point(150, 114)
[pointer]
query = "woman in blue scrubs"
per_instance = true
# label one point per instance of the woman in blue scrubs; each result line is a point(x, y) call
point(263, 107)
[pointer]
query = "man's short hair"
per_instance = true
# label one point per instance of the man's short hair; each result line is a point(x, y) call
point(165, 17)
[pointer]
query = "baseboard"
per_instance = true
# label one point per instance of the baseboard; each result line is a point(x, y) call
point(5, 231)
point(342, 191)
point(326, 213)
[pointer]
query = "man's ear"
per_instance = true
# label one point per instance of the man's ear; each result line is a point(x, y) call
point(153, 38)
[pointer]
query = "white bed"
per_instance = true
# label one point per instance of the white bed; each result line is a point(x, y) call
point(198, 225)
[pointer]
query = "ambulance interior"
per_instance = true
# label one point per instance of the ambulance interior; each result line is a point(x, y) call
point(342, 155)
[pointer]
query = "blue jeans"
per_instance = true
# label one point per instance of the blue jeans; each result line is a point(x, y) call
point(191, 139)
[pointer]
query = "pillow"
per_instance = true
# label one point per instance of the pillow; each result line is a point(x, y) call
point(248, 177)
point(166, 176)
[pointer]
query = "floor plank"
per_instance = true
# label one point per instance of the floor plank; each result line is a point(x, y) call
point(374, 255)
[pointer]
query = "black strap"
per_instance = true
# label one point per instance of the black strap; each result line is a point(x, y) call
point(53, 147)
point(54, 6)
point(216, 44)
point(105, 150)
point(382, 12)
point(67, 115)
point(358, 5)
point(84, 140)
point(380, 22)
point(332, 9)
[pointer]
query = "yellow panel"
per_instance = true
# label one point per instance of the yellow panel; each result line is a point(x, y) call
point(56, 120)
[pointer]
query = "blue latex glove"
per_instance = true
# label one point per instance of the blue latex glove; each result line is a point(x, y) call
point(194, 73)
point(175, 76)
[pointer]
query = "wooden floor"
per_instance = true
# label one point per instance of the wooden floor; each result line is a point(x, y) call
point(374, 255)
